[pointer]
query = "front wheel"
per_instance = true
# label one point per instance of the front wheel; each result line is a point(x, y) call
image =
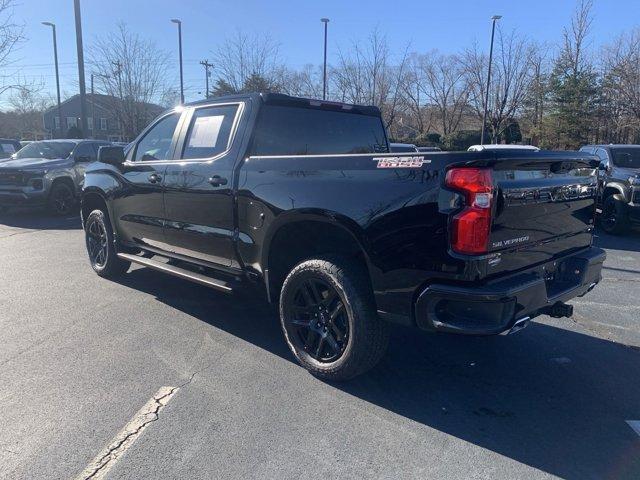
point(61, 199)
point(329, 318)
point(100, 246)
point(614, 215)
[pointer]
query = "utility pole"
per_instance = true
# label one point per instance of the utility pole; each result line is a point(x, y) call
point(55, 58)
point(83, 90)
point(207, 66)
point(486, 98)
point(324, 66)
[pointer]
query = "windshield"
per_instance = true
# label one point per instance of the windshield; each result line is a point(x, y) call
point(626, 157)
point(49, 150)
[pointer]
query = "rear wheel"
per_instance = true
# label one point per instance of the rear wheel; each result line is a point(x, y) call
point(61, 199)
point(614, 217)
point(329, 318)
point(100, 246)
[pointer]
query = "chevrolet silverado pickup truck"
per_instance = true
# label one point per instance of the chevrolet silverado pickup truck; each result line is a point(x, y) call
point(301, 200)
point(619, 186)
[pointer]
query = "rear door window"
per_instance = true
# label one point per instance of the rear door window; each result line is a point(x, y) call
point(283, 130)
point(210, 131)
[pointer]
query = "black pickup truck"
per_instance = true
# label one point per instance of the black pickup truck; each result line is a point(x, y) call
point(301, 200)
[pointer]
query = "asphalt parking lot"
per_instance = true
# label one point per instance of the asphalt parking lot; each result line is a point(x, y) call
point(81, 356)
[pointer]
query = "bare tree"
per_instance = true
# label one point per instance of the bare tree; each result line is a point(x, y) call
point(445, 88)
point(414, 99)
point(575, 38)
point(511, 77)
point(27, 106)
point(241, 57)
point(11, 33)
point(367, 75)
point(621, 84)
point(306, 82)
point(133, 70)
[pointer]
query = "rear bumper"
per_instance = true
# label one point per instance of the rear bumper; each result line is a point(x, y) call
point(496, 306)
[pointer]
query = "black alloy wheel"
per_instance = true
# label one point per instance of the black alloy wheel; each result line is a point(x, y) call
point(329, 318)
point(61, 199)
point(97, 242)
point(101, 248)
point(614, 219)
point(317, 320)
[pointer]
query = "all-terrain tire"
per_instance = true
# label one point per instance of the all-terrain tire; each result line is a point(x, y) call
point(99, 234)
point(614, 219)
point(61, 200)
point(368, 335)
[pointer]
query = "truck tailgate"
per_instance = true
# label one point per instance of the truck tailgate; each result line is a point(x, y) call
point(541, 203)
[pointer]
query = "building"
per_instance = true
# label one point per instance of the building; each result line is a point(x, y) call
point(102, 119)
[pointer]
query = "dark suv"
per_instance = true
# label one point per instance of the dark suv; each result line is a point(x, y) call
point(619, 185)
point(46, 173)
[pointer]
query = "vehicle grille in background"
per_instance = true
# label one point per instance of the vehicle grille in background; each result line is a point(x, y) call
point(10, 178)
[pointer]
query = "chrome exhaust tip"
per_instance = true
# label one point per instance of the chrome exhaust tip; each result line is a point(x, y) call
point(517, 326)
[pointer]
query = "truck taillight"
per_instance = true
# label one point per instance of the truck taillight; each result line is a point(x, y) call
point(470, 228)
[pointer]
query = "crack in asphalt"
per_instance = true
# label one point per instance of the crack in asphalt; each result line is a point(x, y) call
point(117, 448)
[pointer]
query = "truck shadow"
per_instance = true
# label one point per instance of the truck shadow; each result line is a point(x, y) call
point(39, 219)
point(551, 398)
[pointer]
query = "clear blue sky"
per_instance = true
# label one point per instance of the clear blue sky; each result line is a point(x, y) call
point(444, 25)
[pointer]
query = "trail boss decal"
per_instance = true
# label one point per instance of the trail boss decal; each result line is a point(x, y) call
point(400, 162)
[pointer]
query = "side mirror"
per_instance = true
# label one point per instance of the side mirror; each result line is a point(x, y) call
point(112, 155)
point(602, 166)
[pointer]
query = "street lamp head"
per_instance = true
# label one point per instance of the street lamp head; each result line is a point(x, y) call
point(496, 17)
point(49, 24)
point(175, 20)
point(324, 20)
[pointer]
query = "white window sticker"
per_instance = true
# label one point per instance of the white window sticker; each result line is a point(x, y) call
point(8, 148)
point(205, 131)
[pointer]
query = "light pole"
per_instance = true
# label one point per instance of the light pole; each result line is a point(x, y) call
point(55, 59)
point(324, 67)
point(83, 90)
point(179, 23)
point(486, 98)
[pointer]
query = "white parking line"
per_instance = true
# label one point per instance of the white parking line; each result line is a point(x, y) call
point(635, 424)
point(105, 460)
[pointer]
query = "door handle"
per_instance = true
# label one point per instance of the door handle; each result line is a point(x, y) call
point(217, 180)
point(155, 178)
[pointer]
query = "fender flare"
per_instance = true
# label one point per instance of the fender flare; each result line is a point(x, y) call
point(331, 218)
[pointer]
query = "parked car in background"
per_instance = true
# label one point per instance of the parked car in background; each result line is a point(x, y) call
point(8, 147)
point(481, 148)
point(619, 185)
point(47, 173)
point(402, 147)
point(346, 237)
point(429, 149)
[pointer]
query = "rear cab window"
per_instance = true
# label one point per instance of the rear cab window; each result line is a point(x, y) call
point(287, 130)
